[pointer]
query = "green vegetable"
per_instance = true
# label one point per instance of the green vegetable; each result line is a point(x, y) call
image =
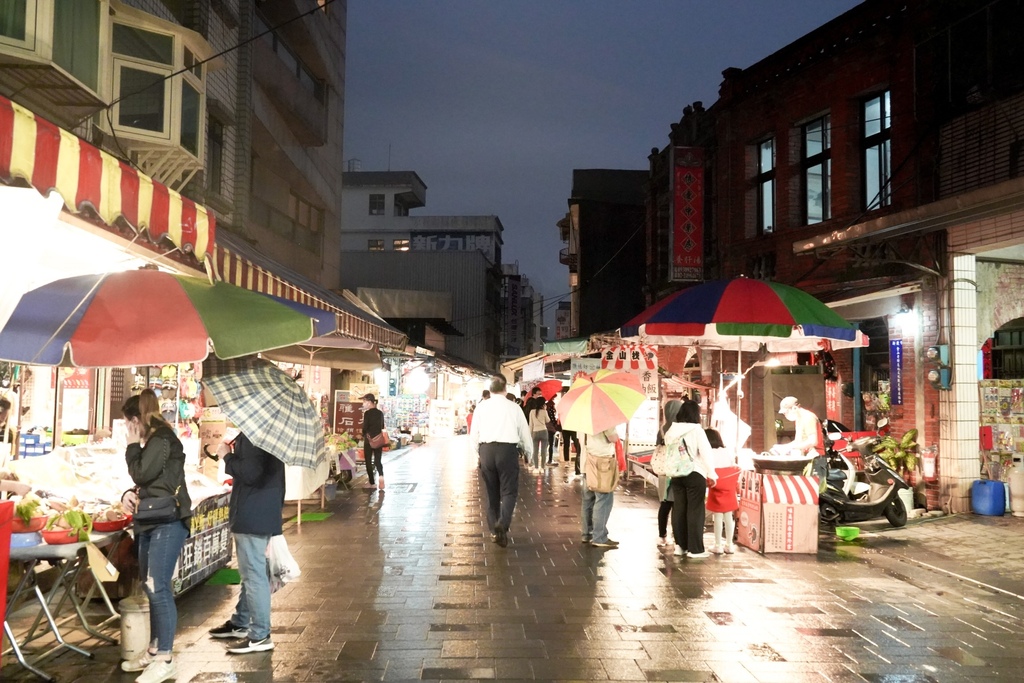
point(26, 508)
point(76, 520)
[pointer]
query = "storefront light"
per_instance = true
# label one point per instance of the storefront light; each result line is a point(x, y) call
point(906, 320)
point(417, 381)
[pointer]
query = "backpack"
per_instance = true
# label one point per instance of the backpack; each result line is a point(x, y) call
point(658, 460)
point(678, 461)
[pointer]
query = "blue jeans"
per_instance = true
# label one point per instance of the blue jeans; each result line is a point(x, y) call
point(158, 550)
point(594, 513)
point(499, 468)
point(253, 608)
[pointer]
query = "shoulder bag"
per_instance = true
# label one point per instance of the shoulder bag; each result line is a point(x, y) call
point(658, 460)
point(602, 473)
point(380, 440)
point(158, 510)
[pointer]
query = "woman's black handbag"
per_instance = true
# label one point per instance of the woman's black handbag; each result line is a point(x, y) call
point(159, 510)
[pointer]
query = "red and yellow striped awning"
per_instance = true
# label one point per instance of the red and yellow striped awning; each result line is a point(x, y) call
point(51, 158)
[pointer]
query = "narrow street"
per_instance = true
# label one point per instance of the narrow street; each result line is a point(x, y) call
point(406, 585)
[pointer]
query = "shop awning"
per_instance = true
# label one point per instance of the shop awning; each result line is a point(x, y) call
point(238, 263)
point(578, 346)
point(95, 183)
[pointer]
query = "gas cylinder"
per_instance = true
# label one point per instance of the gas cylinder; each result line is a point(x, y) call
point(1017, 490)
point(134, 626)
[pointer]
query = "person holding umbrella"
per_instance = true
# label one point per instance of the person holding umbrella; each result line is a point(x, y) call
point(254, 514)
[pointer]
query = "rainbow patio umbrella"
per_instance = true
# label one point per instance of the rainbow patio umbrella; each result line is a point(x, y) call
point(146, 317)
point(600, 401)
point(742, 315)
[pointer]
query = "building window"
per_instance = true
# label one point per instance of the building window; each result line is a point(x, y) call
point(292, 62)
point(376, 205)
point(214, 155)
point(765, 183)
point(148, 103)
point(817, 166)
point(400, 245)
point(64, 32)
point(400, 208)
point(375, 245)
point(308, 222)
point(877, 152)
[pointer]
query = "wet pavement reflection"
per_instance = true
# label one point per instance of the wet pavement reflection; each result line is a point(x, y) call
point(405, 584)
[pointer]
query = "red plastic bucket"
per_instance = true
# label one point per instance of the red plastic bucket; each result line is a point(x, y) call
point(6, 515)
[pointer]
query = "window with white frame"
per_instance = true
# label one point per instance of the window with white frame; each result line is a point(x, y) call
point(817, 168)
point(149, 103)
point(877, 152)
point(64, 32)
point(764, 181)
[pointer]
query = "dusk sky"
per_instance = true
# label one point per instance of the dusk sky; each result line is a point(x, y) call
point(494, 104)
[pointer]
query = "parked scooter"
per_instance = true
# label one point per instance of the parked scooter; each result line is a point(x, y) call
point(847, 498)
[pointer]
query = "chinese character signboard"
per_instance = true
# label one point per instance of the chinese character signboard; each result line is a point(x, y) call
point(453, 241)
point(348, 416)
point(832, 407)
point(896, 372)
point(583, 366)
point(687, 233)
point(208, 547)
point(513, 317)
point(641, 360)
point(562, 322)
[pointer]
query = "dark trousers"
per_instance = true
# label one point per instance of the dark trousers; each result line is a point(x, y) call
point(374, 461)
point(566, 435)
point(688, 511)
point(499, 468)
point(663, 511)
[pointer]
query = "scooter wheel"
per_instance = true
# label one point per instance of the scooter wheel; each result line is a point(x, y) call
point(896, 513)
point(828, 514)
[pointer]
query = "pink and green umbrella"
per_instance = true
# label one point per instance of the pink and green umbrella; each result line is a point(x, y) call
point(744, 314)
point(146, 317)
point(600, 401)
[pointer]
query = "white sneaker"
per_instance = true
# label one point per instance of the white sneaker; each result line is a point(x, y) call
point(679, 552)
point(717, 550)
point(698, 556)
point(138, 664)
point(158, 671)
point(730, 549)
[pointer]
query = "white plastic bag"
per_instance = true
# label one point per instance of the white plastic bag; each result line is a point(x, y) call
point(283, 567)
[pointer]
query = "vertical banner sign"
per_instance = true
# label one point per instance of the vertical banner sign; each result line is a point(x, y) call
point(513, 317)
point(832, 407)
point(687, 234)
point(896, 372)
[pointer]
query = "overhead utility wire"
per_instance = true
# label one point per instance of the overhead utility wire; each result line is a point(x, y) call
point(319, 8)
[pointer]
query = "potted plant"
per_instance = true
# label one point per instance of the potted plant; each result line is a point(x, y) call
point(902, 456)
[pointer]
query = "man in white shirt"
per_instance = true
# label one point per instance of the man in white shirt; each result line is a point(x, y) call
point(808, 427)
point(499, 430)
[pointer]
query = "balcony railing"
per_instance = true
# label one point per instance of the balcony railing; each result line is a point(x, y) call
point(567, 259)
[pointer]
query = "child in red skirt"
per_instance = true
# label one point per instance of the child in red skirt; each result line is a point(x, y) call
point(722, 498)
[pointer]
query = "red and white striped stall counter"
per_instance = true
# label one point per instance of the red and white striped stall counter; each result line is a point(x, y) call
point(778, 513)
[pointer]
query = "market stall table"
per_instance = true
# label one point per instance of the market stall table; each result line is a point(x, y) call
point(69, 559)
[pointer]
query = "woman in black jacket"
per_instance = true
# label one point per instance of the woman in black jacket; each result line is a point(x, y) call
point(156, 463)
point(373, 424)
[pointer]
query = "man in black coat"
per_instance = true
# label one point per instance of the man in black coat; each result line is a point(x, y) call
point(254, 514)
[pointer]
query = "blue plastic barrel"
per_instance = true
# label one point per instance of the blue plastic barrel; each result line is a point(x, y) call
point(988, 497)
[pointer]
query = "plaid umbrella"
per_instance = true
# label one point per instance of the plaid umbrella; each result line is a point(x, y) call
point(270, 408)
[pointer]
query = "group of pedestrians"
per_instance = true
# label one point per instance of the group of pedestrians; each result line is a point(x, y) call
point(500, 431)
point(156, 463)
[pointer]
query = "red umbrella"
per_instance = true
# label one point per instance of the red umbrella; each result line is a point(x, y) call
point(549, 388)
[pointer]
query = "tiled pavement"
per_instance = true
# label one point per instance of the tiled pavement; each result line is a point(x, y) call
point(406, 585)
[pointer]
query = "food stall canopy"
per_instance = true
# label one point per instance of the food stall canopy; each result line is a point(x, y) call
point(578, 346)
point(239, 264)
point(94, 183)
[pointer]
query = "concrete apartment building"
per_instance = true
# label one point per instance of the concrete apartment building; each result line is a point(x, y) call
point(383, 247)
point(255, 134)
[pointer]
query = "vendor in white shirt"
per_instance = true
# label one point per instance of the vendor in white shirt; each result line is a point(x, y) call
point(808, 427)
point(499, 430)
